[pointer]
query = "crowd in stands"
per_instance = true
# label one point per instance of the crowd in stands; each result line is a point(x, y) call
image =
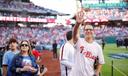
point(111, 31)
point(22, 6)
point(42, 35)
point(46, 35)
point(12, 14)
point(111, 14)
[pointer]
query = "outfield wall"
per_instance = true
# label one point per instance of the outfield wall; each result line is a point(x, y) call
point(110, 39)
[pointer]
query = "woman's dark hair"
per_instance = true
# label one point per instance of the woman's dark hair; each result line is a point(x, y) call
point(69, 35)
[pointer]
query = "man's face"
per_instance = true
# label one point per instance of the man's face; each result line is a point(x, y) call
point(13, 45)
point(89, 31)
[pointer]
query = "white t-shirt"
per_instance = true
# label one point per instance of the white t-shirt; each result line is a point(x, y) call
point(66, 58)
point(85, 56)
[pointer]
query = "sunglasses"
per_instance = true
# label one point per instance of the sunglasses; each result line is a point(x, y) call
point(24, 45)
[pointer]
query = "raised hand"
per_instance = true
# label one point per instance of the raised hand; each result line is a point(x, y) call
point(80, 16)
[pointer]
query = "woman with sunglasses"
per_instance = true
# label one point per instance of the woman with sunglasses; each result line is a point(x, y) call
point(24, 63)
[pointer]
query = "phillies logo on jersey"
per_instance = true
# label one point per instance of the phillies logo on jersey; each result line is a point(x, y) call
point(87, 53)
point(81, 49)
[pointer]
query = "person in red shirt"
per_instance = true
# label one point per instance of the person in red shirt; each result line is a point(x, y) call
point(42, 69)
point(36, 53)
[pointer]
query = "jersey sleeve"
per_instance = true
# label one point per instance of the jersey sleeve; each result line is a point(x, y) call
point(5, 59)
point(65, 52)
point(65, 58)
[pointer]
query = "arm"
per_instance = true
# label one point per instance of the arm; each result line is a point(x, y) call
point(67, 63)
point(4, 68)
point(100, 61)
point(67, 56)
point(99, 66)
point(5, 64)
point(39, 57)
point(38, 60)
point(34, 68)
point(76, 32)
point(79, 21)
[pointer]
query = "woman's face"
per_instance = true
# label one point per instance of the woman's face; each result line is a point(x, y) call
point(24, 46)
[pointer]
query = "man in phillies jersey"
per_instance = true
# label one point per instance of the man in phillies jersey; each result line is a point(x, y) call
point(87, 50)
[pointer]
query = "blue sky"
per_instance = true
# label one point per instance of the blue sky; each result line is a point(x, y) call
point(65, 6)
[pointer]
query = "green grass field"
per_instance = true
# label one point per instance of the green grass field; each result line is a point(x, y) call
point(120, 64)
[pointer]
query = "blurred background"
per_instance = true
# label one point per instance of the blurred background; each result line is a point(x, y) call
point(44, 21)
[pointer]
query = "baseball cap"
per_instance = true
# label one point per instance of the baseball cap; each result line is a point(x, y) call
point(88, 27)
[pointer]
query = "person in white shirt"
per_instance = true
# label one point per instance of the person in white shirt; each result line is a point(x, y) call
point(67, 56)
point(87, 50)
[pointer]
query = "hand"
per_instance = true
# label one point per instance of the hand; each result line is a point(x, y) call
point(96, 74)
point(26, 68)
point(38, 61)
point(80, 16)
point(33, 70)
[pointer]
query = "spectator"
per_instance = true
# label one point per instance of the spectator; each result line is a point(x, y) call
point(41, 68)
point(126, 42)
point(67, 55)
point(24, 63)
point(54, 46)
point(8, 56)
point(103, 43)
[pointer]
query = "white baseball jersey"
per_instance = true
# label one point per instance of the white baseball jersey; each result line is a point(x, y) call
point(86, 53)
point(66, 58)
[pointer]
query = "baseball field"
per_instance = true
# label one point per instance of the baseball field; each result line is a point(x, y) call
point(120, 63)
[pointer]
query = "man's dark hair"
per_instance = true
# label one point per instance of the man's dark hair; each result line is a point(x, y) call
point(12, 40)
point(69, 35)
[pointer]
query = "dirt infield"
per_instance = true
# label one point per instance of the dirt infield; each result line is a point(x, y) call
point(51, 64)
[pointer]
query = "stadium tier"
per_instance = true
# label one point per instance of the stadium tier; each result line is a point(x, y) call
point(16, 11)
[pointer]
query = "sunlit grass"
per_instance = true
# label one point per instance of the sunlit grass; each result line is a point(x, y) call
point(121, 64)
